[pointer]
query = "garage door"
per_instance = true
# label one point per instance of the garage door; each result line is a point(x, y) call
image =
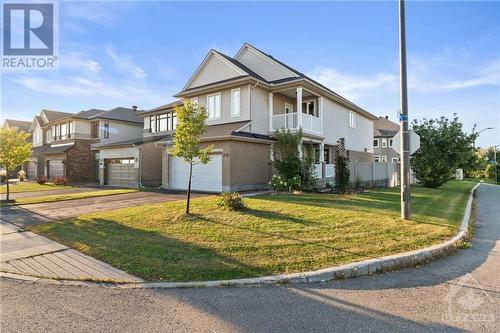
point(120, 172)
point(56, 168)
point(206, 177)
point(31, 170)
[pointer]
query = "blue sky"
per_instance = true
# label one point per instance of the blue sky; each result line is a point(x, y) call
point(141, 53)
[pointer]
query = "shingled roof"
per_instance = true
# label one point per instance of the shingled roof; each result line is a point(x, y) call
point(384, 127)
point(21, 125)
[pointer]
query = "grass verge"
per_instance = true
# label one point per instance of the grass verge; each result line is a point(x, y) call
point(19, 187)
point(70, 196)
point(275, 234)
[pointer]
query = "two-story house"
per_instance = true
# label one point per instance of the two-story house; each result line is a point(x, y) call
point(249, 97)
point(384, 131)
point(69, 139)
point(20, 125)
point(40, 140)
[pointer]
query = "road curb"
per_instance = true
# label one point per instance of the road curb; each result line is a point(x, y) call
point(361, 268)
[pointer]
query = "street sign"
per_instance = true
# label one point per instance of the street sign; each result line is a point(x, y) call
point(414, 142)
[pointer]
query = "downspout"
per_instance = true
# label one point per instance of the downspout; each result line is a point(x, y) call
point(250, 102)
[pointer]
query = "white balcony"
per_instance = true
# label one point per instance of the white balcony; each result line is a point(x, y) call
point(329, 171)
point(318, 170)
point(290, 121)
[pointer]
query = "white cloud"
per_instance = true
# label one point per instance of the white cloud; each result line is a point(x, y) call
point(125, 63)
point(78, 61)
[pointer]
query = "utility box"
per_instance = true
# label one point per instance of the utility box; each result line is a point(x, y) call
point(459, 174)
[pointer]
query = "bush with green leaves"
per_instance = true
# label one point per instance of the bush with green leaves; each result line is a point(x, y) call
point(231, 201)
point(444, 147)
point(278, 183)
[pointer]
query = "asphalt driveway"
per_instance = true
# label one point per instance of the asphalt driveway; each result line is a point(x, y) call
point(38, 213)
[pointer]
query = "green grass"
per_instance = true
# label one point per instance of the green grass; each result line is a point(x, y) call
point(477, 180)
point(71, 196)
point(275, 234)
point(18, 187)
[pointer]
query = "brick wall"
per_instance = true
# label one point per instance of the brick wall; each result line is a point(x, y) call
point(80, 162)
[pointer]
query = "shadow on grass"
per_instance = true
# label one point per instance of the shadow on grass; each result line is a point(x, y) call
point(146, 253)
point(275, 216)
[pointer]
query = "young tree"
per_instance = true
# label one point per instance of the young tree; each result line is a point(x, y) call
point(14, 150)
point(444, 147)
point(191, 120)
point(342, 172)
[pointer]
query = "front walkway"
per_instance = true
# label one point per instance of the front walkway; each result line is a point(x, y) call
point(25, 253)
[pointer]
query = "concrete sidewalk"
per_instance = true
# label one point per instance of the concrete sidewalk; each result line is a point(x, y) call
point(26, 253)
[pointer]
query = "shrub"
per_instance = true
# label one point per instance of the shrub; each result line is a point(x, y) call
point(279, 183)
point(60, 180)
point(41, 180)
point(231, 201)
point(3, 175)
point(21, 174)
point(342, 172)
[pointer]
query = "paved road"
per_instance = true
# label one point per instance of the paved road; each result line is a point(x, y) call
point(42, 212)
point(456, 294)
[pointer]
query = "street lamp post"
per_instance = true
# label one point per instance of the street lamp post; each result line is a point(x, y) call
point(496, 163)
point(484, 129)
point(403, 118)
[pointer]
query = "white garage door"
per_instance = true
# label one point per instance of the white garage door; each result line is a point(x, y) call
point(120, 172)
point(31, 170)
point(206, 177)
point(56, 168)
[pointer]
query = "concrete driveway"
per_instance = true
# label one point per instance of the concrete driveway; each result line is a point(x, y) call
point(38, 213)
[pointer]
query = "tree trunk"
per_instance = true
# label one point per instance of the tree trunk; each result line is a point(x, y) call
point(8, 188)
point(189, 187)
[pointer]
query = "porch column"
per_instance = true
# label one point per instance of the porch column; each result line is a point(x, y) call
point(270, 112)
point(320, 112)
point(299, 107)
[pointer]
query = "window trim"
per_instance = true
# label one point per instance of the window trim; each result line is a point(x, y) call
point(315, 107)
point(382, 158)
point(394, 158)
point(106, 129)
point(290, 106)
point(390, 142)
point(215, 111)
point(376, 159)
point(378, 143)
point(352, 119)
point(194, 101)
point(384, 140)
point(232, 102)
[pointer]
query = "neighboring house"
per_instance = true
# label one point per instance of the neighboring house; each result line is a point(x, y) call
point(41, 139)
point(67, 138)
point(19, 124)
point(384, 131)
point(248, 98)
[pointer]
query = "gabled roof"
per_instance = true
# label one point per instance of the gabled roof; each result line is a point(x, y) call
point(290, 75)
point(54, 115)
point(120, 113)
point(385, 127)
point(87, 114)
point(164, 107)
point(21, 125)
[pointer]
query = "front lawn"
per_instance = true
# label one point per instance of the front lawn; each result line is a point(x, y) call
point(18, 187)
point(71, 196)
point(276, 234)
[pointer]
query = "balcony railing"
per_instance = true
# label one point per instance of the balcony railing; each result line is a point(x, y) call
point(318, 170)
point(329, 170)
point(290, 121)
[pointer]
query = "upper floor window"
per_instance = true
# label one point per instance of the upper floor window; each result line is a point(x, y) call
point(194, 100)
point(376, 159)
point(106, 130)
point(213, 106)
point(309, 107)
point(383, 159)
point(384, 142)
point(352, 120)
point(394, 160)
point(235, 102)
point(375, 143)
point(162, 122)
point(62, 131)
point(36, 136)
point(391, 142)
point(94, 130)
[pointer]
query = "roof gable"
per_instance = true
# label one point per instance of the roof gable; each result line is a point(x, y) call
point(214, 68)
point(263, 64)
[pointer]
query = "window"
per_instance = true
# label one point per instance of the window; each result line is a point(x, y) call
point(162, 122)
point(174, 120)
point(49, 135)
point(70, 129)
point(106, 130)
point(194, 100)
point(213, 106)
point(384, 143)
point(64, 130)
point(375, 143)
point(235, 102)
point(383, 159)
point(309, 107)
point(94, 129)
point(376, 159)
point(352, 120)
point(326, 155)
point(394, 160)
point(391, 142)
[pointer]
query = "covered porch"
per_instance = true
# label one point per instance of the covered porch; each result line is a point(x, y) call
point(295, 108)
point(323, 158)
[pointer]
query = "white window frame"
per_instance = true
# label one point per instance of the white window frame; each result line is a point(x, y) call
point(376, 159)
point(394, 160)
point(215, 116)
point(233, 111)
point(383, 158)
point(384, 142)
point(352, 120)
point(289, 106)
point(306, 109)
point(378, 143)
point(391, 142)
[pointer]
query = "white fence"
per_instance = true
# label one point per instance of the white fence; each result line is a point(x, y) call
point(375, 174)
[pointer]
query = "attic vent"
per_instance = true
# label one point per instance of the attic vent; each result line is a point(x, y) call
point(134, 107)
